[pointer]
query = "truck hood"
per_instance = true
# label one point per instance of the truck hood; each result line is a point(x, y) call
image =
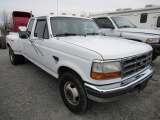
point(140, 31)
point(108, 47)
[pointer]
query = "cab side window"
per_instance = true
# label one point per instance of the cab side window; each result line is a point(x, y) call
point(102, 21)
point(41, 30)
point(158, 22)
point(29, 30)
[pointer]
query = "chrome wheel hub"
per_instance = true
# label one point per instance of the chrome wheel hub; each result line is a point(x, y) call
point(71, 93)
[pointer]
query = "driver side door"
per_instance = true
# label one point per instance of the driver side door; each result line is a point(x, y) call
point(38, 49)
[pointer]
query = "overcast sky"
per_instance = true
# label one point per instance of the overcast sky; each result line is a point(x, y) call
point(45, 7)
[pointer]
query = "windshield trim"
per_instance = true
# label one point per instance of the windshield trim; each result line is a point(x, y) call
point(100, 33)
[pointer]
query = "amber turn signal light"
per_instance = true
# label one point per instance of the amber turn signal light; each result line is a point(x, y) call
point(103, 76)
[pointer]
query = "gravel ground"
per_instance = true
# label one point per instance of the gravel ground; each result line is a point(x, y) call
point(29, 93)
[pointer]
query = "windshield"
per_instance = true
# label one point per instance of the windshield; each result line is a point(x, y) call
point(69, 26)
point(122, 22)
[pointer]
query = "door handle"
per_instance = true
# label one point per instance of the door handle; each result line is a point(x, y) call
point(56, 58)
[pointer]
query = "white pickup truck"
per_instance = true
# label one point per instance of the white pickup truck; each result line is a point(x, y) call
point(123, 28)
point(88, 65)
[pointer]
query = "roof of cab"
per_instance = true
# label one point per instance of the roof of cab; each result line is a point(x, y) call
point(61, 16)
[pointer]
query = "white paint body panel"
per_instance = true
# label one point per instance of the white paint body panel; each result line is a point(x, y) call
point(76, 52)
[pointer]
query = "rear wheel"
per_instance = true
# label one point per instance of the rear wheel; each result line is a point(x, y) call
point(73, 93)
point(15, 59)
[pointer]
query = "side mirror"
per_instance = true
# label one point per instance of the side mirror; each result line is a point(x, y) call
point(22, 28)
point(22, 32)
point(108, 26)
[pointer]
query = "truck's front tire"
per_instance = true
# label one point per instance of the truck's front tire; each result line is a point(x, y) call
point(73, 93)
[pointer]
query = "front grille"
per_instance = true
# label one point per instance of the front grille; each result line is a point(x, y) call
point(134, 64)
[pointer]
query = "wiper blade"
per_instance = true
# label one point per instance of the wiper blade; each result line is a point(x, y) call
point(81, 35)
point(71, 34)
point(92, 33)
point(66, 34)
point(125, 26)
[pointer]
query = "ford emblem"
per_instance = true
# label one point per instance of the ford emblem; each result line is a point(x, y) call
point(141, 63)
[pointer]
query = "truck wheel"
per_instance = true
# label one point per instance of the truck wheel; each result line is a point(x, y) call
point(73, 93)
point(154, 57)
point(4, 44)
point(14, 58)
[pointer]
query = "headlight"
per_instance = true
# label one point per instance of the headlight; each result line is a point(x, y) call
point(152, 40)
point(106, 70)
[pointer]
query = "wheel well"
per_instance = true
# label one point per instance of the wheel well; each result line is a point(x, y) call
point(64, 69)
point(8, 45)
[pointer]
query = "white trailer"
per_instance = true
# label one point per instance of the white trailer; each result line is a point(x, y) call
point(148, 17)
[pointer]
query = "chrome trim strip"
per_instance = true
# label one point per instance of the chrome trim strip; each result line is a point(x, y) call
point(123, 87)
point(137, 59)
point(99, 61)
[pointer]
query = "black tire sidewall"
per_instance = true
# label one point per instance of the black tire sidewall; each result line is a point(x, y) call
point(11, 54)
point(83, 103)
point(15, 59)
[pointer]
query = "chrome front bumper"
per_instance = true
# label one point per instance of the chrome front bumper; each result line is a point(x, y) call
point(137, 82)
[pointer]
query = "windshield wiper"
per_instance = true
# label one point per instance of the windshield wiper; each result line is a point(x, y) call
point(125, 26)
point(92, 34)
point(66, 34)
point(81, 35)
point(71, 34)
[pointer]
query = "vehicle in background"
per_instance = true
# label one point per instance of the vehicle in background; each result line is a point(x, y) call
point(87, 64)
point(148, 17)
point(19, 18)
point(123, 28)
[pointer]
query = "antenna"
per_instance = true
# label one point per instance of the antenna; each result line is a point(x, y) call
point(57, 7)
point(57, 21)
